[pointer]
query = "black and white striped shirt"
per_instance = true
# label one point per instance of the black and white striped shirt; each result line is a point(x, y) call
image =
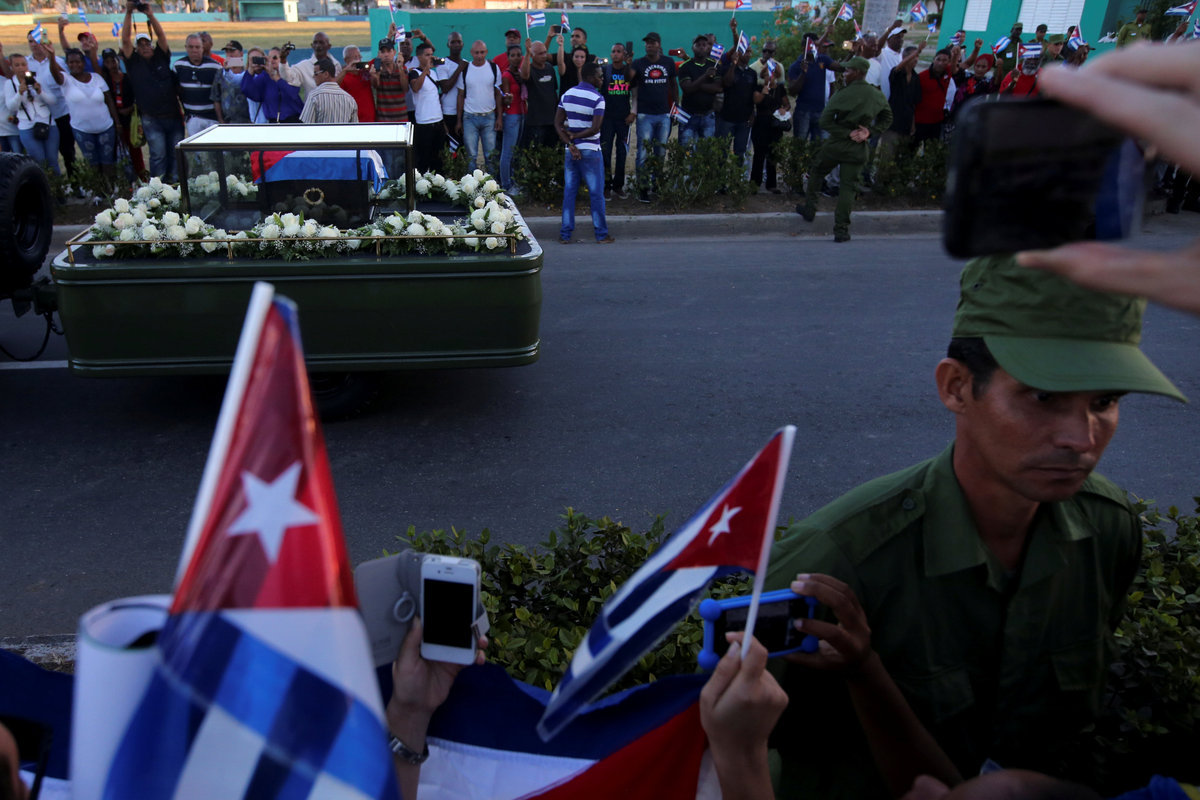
point(193, 84)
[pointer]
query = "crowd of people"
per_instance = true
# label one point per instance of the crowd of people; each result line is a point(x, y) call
point(492, 105)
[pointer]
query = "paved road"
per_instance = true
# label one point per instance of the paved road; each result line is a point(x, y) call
point(665, 364)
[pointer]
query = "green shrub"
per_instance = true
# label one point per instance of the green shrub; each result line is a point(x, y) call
point(538, 170)
point(795, 158)
point(702, 173)
point(541, 600)
point(920, 175)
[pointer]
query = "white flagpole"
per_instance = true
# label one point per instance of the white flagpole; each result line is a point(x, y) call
point(760, 575)
point(239, 376)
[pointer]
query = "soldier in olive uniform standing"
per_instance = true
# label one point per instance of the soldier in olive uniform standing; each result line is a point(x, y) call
point(993, 575)
point(1006, 59)
point(851, 117)
point(1135, 31)
point(1053, 51)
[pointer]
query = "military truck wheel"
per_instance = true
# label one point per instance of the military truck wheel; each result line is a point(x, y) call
point(26, 220)
point(341, 395)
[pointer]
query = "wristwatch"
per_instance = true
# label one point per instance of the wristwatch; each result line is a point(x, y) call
point(402, 750)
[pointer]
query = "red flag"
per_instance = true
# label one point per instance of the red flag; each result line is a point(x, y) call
point(266, 532)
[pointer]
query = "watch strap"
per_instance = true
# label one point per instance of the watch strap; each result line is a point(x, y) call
point(402, 750)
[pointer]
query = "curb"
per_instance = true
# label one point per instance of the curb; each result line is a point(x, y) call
point(54, 651)
point(776, 223)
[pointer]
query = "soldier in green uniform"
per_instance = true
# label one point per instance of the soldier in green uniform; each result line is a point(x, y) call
point(851, 117)
point(1006, 59)
point(993, 575)
point(1052, 52)
point(1134, 31)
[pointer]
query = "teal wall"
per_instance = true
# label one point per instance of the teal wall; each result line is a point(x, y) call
point(1094, 22)
point(677, 28)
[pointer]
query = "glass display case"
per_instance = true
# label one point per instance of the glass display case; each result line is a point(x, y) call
point(234, 175)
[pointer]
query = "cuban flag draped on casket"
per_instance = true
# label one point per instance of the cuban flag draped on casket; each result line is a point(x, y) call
point(264, 686)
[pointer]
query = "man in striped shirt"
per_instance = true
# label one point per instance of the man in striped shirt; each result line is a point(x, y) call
point(328, 102)
point(577, 121)
point(194, 78)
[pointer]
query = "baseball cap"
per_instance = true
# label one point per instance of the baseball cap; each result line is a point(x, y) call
point(108, 52)
point(232, 44)
point(385, 44)
point(82, 35)
point(1055, 38)
point(1051, 334)
point(512, 30)
point(140, 36)
point(858, 64)
point(652, 37)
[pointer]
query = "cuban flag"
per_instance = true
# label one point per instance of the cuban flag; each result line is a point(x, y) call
point(399, 34)
point(811, 49)
point(845, 13)
point(958, 38)
point(453, 144)
point(858, 34)
point(733, 531)
point(744, 5)
point(536, 20)
point(392, 6)
point(83, 18)
point(918, 12)
point(1076, 41)
point(1196, 30)
point(1031, 50)
point(116, 30)
point(1185, 10)
point(264, 685)
point(38, 33)
point(679, 115)
point(566, 23)
point(717, 51)
point(933, 27)
point(743, 43)
point(1001, 45)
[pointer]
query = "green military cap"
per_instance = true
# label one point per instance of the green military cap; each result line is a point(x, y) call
point(858, 64)
point(1051, 334)
point(1056, 38)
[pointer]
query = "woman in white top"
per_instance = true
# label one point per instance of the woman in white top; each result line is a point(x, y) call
point(23, 99)
point(94, 117)
point(10, 137)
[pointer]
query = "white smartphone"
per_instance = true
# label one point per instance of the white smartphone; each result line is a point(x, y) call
point(449, 597)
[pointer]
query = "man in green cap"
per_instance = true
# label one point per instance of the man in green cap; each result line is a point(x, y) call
point(1134, 31)
point(993, 575)
point(851, 117)
point(1052, 51)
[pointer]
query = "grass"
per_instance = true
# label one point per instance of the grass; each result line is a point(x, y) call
point(262, 34)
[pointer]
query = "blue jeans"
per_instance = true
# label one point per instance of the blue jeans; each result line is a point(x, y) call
point(45, 151)
point(807, 125)
point(162, 134)
point(655, 128)
point(699, 126)
point(99, 149)
point(512, 134)
point(590, 167)
point(11, 143)
point(740, 131)
point(476, 128)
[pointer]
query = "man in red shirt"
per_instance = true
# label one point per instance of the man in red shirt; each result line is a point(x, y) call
point(1022, 82)
point(930, 113)
point(355, 80)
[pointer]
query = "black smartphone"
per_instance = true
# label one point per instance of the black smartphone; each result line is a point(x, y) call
point(556, 29)
point(1030, 174)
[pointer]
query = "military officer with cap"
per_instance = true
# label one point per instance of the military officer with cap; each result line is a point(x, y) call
point(1052, 52)
point(1006, 59)
point(993, 575)
point(1135, 31)
point(851, 117)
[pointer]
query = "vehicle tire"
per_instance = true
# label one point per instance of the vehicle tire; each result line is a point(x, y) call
point(26, 219)
point(342, 395)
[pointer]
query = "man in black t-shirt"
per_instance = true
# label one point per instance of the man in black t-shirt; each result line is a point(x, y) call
point(148, 67)
point(618, 116)
point(699, 85)
point(653, 78)
point(541, 87)
point(737, 112)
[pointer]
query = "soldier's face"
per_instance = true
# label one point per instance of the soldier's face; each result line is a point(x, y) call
point(1039, 444)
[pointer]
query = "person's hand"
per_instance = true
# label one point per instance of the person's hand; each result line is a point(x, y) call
point(559, 40)
point(978, 43)
point(458, 129)
point(844, 646)
point(499, 124)
point(528, 43)
point(740, 703)
point(733, 25)
point(804, 65)
point(860, 134)
point(921, 48)
point(1170, 278)
point(418, 33)
point(420, 686)
point(629, 120)
point(575, 154)
point(62, 21)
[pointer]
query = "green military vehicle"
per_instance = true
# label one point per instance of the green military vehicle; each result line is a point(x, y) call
point(381, 281)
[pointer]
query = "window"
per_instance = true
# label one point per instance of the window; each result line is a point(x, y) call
point(976, 16)
point(1057, 14)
